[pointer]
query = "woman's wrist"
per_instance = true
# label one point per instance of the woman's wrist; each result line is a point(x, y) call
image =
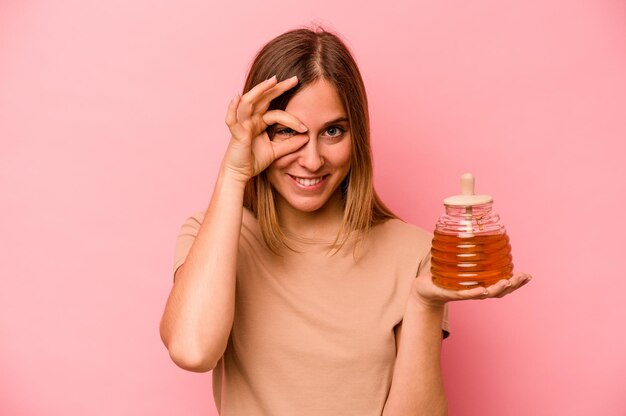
point(418, 301)
point(231, 178)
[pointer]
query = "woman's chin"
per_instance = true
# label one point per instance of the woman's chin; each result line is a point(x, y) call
point(306, 207)
point(313, 205)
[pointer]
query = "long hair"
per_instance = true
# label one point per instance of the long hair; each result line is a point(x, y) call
point(312, 55)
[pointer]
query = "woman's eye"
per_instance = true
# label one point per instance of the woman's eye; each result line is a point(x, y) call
point(335, 131)
point(286, 131)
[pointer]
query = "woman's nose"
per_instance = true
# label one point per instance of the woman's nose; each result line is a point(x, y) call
point(310, 156)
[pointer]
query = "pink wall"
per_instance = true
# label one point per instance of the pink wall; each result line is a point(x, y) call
point(111, 129)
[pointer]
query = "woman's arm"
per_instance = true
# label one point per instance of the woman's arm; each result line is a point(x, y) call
point(417, 385)
point(199, 313)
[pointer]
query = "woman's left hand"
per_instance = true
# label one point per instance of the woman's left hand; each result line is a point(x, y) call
point(426, 292)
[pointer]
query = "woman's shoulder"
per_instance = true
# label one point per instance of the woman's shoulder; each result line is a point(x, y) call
point(192, 222)
point(400, 238)
point(398, 229)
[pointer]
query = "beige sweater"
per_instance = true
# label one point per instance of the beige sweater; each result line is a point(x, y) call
point(313, 333)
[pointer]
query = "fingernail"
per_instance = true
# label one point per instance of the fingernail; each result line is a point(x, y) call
point(294, 77)
point(303, 128)
point(272, 78)
point(507, 283)
point(485, 293)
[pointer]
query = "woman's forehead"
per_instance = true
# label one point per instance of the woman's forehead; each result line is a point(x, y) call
point(317, 104)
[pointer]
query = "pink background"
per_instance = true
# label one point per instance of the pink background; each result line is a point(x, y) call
point(111, 129)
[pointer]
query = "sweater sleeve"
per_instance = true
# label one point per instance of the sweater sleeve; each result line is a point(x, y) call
point(186, 236)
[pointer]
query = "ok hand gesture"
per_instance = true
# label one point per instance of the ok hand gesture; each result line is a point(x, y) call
point(250, 150)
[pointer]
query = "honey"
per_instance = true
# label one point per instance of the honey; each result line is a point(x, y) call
point(470, 247)
point(466, 261)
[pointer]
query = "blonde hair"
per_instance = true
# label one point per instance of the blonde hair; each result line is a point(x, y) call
point(311, 55)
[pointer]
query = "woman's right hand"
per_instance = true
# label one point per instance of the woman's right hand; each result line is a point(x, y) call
point(250, 150)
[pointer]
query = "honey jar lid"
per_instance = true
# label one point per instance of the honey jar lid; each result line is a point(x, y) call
point(467, 197)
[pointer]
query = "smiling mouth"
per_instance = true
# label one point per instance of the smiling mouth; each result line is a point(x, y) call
point(308, 181)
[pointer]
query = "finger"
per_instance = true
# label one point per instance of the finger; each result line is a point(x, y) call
point(276, 91)
point(248, 100)
point(524, 283)
point(498, 288)
point(231, 112)
point(259, 89)
point(507, 291)
point(464, 294)
point(285, 147)
point(512, 287)
point(517, 281)
point(527, 277)
point(236, 129)
point(284, 118)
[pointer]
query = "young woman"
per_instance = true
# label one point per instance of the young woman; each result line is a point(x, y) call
point(301, 291)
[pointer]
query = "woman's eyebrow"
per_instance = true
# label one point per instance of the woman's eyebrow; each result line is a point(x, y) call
point(337, 120)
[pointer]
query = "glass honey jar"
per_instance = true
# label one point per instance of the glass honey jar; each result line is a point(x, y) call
point(470, 246)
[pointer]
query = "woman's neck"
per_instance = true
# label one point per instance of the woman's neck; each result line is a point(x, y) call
point(323, 223)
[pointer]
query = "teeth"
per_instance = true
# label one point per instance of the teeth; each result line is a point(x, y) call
point(308, 182)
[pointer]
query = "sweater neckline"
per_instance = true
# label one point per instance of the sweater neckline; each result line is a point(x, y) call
point(317, 241)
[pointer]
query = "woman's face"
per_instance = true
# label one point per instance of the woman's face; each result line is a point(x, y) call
point(311, 176)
